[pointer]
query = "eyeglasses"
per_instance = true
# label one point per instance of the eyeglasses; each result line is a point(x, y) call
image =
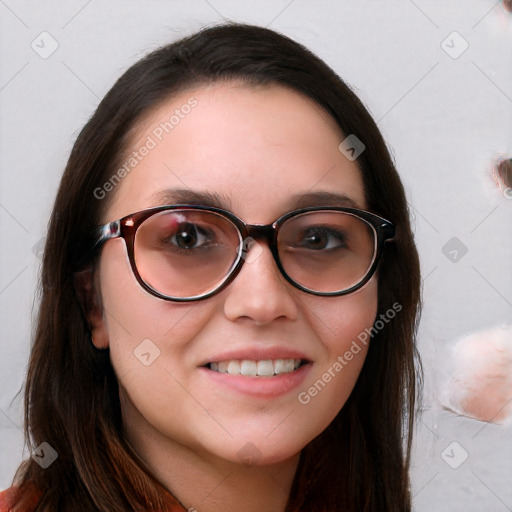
point(190, 252)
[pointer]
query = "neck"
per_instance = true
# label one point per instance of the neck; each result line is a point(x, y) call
point(203, 482)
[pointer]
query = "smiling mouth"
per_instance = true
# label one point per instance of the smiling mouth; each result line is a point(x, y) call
point(257, 368)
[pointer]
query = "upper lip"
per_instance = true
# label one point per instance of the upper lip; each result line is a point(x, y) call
point(256, 354)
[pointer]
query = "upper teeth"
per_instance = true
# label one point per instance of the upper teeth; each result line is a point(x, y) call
point(264, 368)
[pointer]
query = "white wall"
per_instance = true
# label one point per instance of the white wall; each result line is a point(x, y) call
point(445, 119)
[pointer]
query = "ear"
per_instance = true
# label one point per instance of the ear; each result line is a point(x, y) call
point(90, 302)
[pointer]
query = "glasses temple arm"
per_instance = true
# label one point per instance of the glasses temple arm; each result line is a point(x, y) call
point(107, 232)
point(388, 230)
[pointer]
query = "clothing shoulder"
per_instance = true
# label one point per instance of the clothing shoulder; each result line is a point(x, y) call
point(12, 500)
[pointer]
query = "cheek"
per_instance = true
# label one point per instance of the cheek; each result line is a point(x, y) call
point(338, 321)
point(140, 327)
point(150, 343)
point(343, 326)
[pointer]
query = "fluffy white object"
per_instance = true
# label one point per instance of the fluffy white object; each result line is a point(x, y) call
point(480, 385)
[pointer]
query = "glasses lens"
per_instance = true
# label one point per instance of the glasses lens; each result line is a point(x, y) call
point(326, 251)
point(185, 253)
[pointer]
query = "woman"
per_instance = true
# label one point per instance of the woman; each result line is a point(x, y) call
point(230, 294)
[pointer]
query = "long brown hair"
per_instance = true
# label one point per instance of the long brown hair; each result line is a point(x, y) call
point(361, 461)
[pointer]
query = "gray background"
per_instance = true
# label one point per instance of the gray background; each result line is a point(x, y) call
point(445, 119)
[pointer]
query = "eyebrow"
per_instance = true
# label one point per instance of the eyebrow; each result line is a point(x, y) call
point(184, 196)
point(322, 199)
point(211, 199)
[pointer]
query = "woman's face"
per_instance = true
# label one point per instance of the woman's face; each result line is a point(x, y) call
point(262, 151)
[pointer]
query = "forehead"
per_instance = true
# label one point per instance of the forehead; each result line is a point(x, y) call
point(258, 149)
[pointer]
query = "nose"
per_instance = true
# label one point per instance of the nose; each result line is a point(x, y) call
point(259, 293)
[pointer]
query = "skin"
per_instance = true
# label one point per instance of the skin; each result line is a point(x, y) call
point(257, 147)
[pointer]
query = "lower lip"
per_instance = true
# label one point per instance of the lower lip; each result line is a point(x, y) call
point(265, 387)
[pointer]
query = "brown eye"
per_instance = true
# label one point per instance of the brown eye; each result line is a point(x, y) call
point(320, 237)
point(187, 236)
